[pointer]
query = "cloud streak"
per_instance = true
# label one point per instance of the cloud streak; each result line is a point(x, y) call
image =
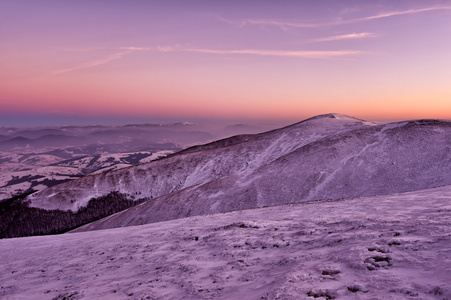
point(95, 63)
point(286, 25)
point(280, 53)
point(349, 36)
point(398, 13)
point(277, 23)
point(165, 49)
point(115, 56)
point(283, 25)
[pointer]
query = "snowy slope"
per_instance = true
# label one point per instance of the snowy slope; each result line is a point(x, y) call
point(382, 247)
point(21, 172)
point(197, 165)
point(364, 161)
point(26, 153)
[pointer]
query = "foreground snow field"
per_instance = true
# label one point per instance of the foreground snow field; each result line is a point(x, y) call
point(383, 247)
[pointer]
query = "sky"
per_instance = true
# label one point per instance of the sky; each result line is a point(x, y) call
point(77, 60)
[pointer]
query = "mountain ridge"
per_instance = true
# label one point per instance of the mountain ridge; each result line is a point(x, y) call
point(330, 156)
point(309, 125)
point(348, 175)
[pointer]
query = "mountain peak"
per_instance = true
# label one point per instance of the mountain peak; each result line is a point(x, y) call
point(335, 116)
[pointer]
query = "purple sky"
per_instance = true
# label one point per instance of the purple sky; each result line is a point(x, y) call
point(241, 60)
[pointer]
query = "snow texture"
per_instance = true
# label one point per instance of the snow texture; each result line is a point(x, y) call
point(381, 247)
point(61, 153)
point(326, 157)
point(197, 165)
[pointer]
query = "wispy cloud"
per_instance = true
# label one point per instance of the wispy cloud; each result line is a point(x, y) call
point(277, 23)
point(286, 25)
point(349, 10)
point(94, 63)
point(260, 52)
point(283, 25)
point(135, 49)
point(398, 13)
point(280, 53)
point(349, 36)
point(115, 56)
point(165, 49)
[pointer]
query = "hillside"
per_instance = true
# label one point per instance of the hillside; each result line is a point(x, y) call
point(34, 158)
point(197, 165)
point(361, 160)
point(382, 247)
point(325, 157)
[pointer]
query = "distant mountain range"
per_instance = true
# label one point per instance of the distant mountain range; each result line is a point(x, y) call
point(330, 156)
point(52, 155)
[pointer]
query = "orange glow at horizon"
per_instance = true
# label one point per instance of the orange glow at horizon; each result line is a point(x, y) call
point(240, 62)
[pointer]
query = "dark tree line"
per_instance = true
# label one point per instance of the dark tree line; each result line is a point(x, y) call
point(18, 219)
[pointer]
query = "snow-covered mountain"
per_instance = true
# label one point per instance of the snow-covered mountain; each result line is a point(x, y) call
point(325, 157)
point(36, 158)
point(328, 157)
point(356, 211)
point(240, 155)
